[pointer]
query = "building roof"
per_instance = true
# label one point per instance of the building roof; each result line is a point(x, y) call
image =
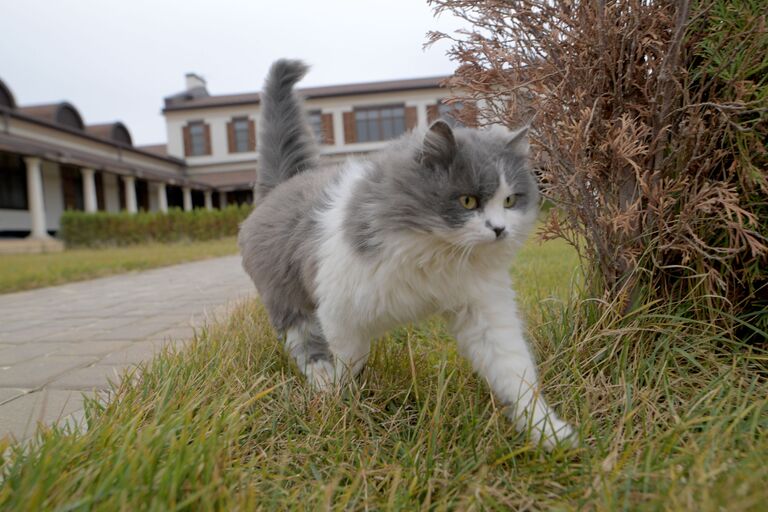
point(187, 100)
point(38, 114)
point(6, 96)
point(157, 149)
point(116, 132)
point(65, 117)
point(62, 113)
point(84, 158)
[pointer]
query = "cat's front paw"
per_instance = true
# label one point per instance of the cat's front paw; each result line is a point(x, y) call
point(321, 375)
point(553, 433)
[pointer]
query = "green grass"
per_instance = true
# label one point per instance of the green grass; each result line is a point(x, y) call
point(672, 415)
point(545, 272)
point(27, 271)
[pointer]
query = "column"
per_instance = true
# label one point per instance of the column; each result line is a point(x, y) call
point(130, 194)
point(222, 200)
point(89, 190)
point(162, 198)
point(421, 115)
point(338, 128)
point(208, 200)
point(35, 197)
point(187, 199)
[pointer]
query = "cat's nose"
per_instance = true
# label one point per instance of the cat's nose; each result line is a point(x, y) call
point(498, 230)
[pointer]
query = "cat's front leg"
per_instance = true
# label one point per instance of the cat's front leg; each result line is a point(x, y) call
point(490, 334)
point(347, 343)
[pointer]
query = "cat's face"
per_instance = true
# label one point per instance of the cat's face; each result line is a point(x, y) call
point(481, 189)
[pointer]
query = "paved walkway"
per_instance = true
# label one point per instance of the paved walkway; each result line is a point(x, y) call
point(61, 342)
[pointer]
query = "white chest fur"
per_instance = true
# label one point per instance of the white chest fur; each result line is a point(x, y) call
point(409, 279)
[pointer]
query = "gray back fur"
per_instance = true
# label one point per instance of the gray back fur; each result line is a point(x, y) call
point(413, 185)
point(278, 242)
point(286, 144)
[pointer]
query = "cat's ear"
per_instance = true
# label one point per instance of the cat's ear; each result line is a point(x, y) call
point(439, 145)
point(518, 142)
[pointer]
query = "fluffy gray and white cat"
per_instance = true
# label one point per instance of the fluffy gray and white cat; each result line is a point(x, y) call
point(429, 224)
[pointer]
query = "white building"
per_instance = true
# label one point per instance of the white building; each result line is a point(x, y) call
point(216, 134)
point(51, 161)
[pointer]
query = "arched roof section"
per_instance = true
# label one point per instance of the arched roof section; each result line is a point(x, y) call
point(64, 114)
point(116, 132)
point(68, 115)
point(120, 133)
point(6, 96)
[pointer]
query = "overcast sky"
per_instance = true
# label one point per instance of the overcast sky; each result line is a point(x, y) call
point(116, 60)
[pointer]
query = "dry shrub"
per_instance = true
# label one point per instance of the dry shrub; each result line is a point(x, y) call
point(650, 130)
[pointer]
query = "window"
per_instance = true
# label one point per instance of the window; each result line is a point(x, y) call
point(197, 140)
point(450, 113)
point(241, 135)
point(241, 129)
point(72, 188)
point(13, 182)
point(315, 119)
point(379, 123)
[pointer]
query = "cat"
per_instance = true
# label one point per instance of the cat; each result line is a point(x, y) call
point(429, 224)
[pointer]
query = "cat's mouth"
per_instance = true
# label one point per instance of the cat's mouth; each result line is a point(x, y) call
point(493, 236)
point(480, 241)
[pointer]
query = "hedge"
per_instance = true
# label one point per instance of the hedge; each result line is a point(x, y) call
point(80, 229)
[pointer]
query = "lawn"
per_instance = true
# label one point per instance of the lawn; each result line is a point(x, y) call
point(27, 271)
point(675, 420)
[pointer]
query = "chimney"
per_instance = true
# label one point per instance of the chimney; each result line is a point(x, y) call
point(195, 81)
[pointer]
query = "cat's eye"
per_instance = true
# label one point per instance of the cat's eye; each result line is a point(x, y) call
point(510, 201)
point(468, 202)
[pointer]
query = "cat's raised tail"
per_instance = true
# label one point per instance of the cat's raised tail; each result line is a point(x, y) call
point(286, 144)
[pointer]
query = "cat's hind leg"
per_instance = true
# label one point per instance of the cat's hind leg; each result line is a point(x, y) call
point(305, 342)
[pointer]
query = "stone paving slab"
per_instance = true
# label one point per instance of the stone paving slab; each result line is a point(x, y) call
point(134, 354)
point(8, 394)
point(86, 348)
point(96, 377)
point(58, 342)
point(36, 373)
point(20, 416)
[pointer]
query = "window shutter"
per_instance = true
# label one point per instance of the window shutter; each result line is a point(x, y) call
point(350, 131)
point(469, 114)
point(231, 137)
point(187, 141)
point(433, 113)
point(251, 135)
point(411, 118)
point(326, 123)
point(207, 139)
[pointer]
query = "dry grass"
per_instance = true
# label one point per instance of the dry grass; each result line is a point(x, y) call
point(666, 422)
